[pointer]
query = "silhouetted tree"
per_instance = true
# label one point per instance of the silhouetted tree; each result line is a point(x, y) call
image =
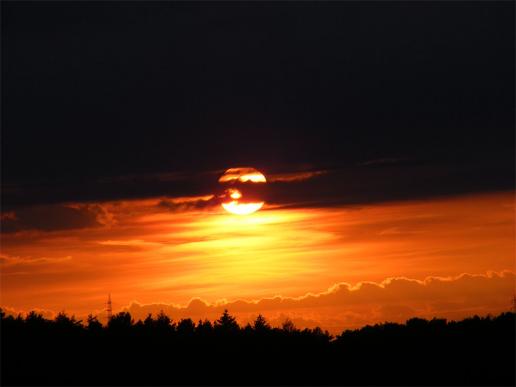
point(248, 329)
point(149, 322)
point(226, 323)
point(186, 327)
point(92, 324)
point(204, 327)
point(121, 322)
point(261, 325)
point(162, 320)
point(37, 351)
point(34, 318)
point(288, 326)
point(62, 321)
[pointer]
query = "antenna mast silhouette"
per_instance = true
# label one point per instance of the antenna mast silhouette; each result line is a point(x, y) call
point(109, 309)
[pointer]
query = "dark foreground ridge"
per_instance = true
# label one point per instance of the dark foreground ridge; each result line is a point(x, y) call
point(157, 351)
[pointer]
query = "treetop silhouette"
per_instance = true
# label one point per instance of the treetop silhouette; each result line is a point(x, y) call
point(159, 351)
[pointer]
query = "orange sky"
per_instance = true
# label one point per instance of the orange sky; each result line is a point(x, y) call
point(445, 257)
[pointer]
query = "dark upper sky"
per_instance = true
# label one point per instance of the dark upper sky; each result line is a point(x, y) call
point(93, 93)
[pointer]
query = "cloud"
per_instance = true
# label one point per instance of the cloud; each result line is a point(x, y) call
point(129, 243)
point(71, 216)
point(347, 306)
point(182, 204)
point(389, 161)
point(6, 259)
point(312, 186)
point(48, 314)
point(193, 192)
point(294, 177)
point(55, 217)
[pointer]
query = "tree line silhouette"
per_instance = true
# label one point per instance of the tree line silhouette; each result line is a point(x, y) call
point(159, 351)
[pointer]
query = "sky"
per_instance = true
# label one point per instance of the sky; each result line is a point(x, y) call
point(385, 132)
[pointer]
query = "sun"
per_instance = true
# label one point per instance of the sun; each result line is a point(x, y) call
point(242, 209)
point(242, 190)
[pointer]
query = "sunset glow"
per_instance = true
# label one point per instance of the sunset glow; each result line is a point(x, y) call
point(149, 256)
point(257, 193)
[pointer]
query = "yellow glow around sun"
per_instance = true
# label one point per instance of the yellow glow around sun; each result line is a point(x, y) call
point(242, 208)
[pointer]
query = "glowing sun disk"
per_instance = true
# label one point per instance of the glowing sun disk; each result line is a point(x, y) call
point(242, 208)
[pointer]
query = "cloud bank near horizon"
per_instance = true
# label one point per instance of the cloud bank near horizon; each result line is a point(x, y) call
point(345, 306)
point(349, 306)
